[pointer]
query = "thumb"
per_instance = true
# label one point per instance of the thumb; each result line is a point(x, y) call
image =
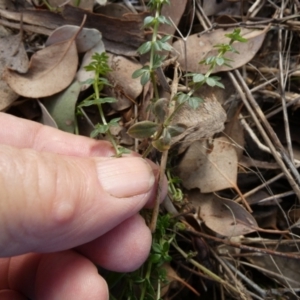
point(52, 202)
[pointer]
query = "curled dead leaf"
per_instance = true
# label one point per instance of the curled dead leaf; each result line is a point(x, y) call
point(50, 71)
point(209, 167)
point(223, 216)
point(86, 39)
point(14, 56)
point(203, 122)
point(201, 47)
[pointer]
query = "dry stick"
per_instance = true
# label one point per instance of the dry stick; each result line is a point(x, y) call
point(291, 180)
point(281, 86)
point(257, 141)
point(273, 136)
point(263, 251)
point(164, 158)
point(268, 272)
point(243, 291)
point(206, 271)
point(254, 286)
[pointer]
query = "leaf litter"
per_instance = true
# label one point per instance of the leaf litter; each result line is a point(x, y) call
point(210, 154)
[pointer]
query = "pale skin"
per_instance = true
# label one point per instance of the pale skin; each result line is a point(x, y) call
point(66, 205)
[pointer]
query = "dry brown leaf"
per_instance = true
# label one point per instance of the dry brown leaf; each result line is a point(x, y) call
point(12, 55)
point(209, 167)
point(235, 131)
point(173, 12)
point(124, 88)
point(82, 74)
point(199, 48)
point(51, 70)
point(85, 40)
point(214, 7)
point(86, 4)
point(203, 122)
point(223, 216)
point(46, 118)
point(288, 269)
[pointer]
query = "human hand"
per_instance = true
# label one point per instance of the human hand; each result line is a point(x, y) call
point(62, 192)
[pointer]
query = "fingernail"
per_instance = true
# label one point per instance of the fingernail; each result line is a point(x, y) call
point(125, 177)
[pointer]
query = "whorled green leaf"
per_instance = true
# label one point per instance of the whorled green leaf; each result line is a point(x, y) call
point(161, 109)
point(61, 107)
point(175, 130)
point(220, 61)
point(99, 129)
point(145, 77)
point(163, 143)
point(194, 102)
point(211, 81)
point(144, 48)
point(164, 20)
point(182, 97)
point(142, 130)
point(148, 21)
point(198, 77)
point(98, 101)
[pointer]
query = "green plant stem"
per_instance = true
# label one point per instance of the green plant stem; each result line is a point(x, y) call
point(171, 184)
point(212, 275)
point(163, 164)
point(152, 52)
point(147, 279)
point(102, 116)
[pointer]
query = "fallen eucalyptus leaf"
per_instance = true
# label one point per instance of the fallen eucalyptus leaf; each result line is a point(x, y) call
point(201, 47)
point(84, 4)
point(142, 130)
point(62, 107)
point(86, 39)
point(84, 76)
point(203, 122)
point(221, 215)
point(123, 87)
point(46, 118)
point(12, 55)
point(210, 168)
point(50, 71)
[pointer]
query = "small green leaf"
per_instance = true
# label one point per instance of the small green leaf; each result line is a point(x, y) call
point(157, 60)
point(157, 45)
point(177, 129)
point(108, 100)
point(138, 73)
point(165, 38)
point(166, 47)
point(210, 81)
point(235, 36)
point(155, 258)
point(163, 143)
point(97, 101)
point(194, 102)
point(156, 247)
point(145, 78)
point(144, 48)
point(181, 97)
point(99, 129)
point(164, 20)
point(147, 21)
point(89, 81)
point(220, 84)
point(209, 60)
point(114, 122)
point(161, 109)
point(198, 78)
point(220, 61)
point(142, 130)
